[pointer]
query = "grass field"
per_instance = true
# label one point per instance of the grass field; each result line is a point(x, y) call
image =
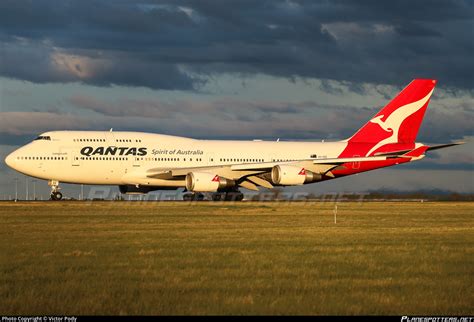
point(248, 258)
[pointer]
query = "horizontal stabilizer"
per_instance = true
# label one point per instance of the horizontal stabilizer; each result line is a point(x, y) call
point(392, 153)
point(416, 153)
point(442, 146)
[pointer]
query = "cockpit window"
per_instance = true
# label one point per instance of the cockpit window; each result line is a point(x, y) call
point(47, 138)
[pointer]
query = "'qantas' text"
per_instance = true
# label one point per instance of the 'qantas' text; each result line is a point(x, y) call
point(113, 150)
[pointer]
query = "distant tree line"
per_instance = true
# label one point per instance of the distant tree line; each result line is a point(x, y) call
point(432, 195)
point(448, 196)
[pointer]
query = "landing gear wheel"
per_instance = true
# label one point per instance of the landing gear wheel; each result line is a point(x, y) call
point(218, 196)
point(234, 196)
point(193, 196)
point(56, 195)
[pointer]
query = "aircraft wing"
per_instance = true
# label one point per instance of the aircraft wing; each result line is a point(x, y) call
point(221, 170)
point(253, 175)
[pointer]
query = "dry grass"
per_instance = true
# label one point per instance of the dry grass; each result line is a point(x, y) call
point(247, 258)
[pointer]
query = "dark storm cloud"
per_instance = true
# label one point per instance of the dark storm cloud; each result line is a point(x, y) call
point(226, 118)
point(416, 30)
point(160, 44)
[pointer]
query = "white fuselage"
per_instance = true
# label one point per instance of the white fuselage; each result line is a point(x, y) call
point(117, 158)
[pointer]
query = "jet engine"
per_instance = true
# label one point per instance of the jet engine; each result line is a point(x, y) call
point(207, 182)
point(290, 175)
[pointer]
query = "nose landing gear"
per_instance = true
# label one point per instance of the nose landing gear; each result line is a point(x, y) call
point(55, 194)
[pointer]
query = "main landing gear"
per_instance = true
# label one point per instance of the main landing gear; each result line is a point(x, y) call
point(193, 196)
point(217, 196)
point(228, 196)
point(55, 194)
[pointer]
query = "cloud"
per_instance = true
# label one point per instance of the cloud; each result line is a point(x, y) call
point(43, 63)
point(179, 44)
point(229, 117)
point(443, 126)
point(28, 123)
point(448, 118)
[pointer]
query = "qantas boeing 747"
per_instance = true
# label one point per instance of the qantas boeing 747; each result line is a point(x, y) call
point(142, 162)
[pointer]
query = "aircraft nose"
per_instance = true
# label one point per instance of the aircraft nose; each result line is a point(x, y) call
point(10, 160)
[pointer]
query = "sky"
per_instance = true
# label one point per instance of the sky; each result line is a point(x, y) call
point(293, 70)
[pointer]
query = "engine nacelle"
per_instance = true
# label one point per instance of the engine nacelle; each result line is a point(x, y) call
point(207, 182)
point(291, 175)
point(134, 190)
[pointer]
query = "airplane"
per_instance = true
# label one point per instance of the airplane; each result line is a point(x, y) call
point(142, 162)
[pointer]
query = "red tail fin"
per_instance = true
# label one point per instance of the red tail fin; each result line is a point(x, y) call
point(396, 125)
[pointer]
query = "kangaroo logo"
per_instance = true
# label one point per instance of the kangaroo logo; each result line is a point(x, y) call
point(395, 119)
